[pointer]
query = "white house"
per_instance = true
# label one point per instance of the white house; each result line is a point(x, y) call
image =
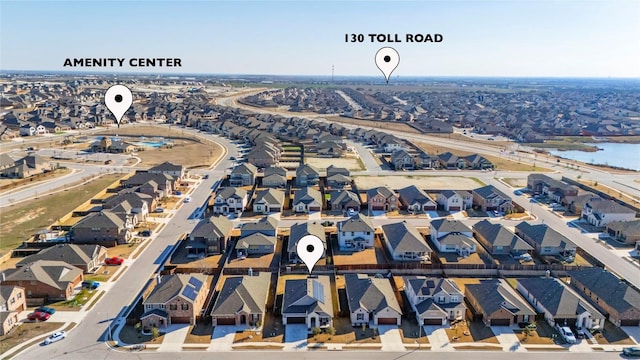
point(455, 200)
point(435, 300)
point(356, 233)
point(308, 301)
point(452, 236)
point(600, 212)
point(230, 200)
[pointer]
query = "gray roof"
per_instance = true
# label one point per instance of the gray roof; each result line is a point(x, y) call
point(403, 237)
point(357, 223)
point(57, 274)
point(266, 224)
point(445, 225)
point(5, 292)
point(103, 219)
point(307, 169)
point(175, 285)
point(491, 295)
point(370, 293)
point(608, 288)
point(332, 170)
point(307, 195)
point(308, 295)
point(428, 287)
point(298, 230)
point(457, 239)
point(77, 255)
point(270, 196)
point(275, 170)
point(245, 169)
point(136, 199)
point(600, 205)
point(490, 192)
point(382, 190)
point(627, 227)
point(558, 299)
point(144, 177)
point(544, 235)
point(229, 192)
point(498, 235)
point(255, 239)
point(412, 194)
point(243, 293)
point(343, 196)
point(214, 226)
point(167, 166)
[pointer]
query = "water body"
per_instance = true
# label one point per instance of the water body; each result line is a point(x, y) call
point(621, 155)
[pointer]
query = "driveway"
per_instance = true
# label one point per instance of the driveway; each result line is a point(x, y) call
point(174, 337)
point(633, 332)
point(390, 338)
point(222, 338)
point(437, 338)
point(295, 337)
point(507, 338)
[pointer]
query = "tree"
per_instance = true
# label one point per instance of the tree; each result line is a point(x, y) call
point(331, 330)
point(155, 333)
point(316, 331)
point(138, 326)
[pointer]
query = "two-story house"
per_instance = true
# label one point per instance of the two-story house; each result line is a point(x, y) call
point(308, 301)
point(307, 175)
point(452, 236)
point(243, 175)
point(415, 200)
point(434, 300)
point(12, 303)
point(600, 212)
point(382, 199)
point(210, 236)
point(230, 201)
point(454, 200)
point(274, 177)
point(488, 198)
point(300, 230)
point(355, 233)
point(105, 228)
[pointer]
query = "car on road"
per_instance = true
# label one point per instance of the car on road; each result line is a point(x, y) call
point(89, 284)
point(46, 309)
point(206, 176)
point(56, 336)
point(232, 158)
point(517, 192)
point(114, 261)
point(187, 200)
point(38, 316)
point(631, 351)
point(145, 233)
point(159, 210)
point(566, 334)
point(490, 139)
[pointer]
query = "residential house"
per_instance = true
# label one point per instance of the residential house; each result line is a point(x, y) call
point(300, 230)
point(449, 161)
point(435, 300)
point(86, 257)
point(307, 200)
point(334, 170)
point(615, 298)
point(454, 200)
point(416, 200)
point(488, 198)
point(600, 212)
point(242, 300)
point(268, 201)
point(575, 204)
point(559, 304)
point(498, 304)
point(255, 244)
point(355, 233)
point(477, 162)
point(177, 171)
point(105, 227)
point(274, 176)
point(264, 155)
point(24, 167)
point(47, 279)
point(401, 159)
point(371, 301)
point(382, 199)
point(405, 243)
point(268, 225)
point(307, 175)
point(452, 236)
point(175, 299)
point(165, 184)
point(344, 200)
point(545, 240)
point(546, 185)
point(243, 175)
point(308, 301)
point(141, 204)
point(627, 232)
point(338, 181)
point(12, 303)
point(230, 200)
point(498, 240)
point(210, 236)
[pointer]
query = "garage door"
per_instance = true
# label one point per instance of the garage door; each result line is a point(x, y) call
point(432, 322)
point(226, 321)
point(429, 208)
point(314, 208)
point(387, 321)
point(454, 208)
point(180, 320)
point(296, 320)
point(629, 322)
point(499, 322)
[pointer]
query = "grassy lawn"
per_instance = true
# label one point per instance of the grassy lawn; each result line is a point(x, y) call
point(25, 332)
point(516, 182)
point(75, 304)
point(129, 335)
point(22, 220)
point(199, 334)
point(11, 184)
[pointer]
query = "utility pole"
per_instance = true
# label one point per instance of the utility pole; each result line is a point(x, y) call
point(332, 73)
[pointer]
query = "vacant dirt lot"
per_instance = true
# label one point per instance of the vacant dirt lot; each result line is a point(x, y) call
point(322, 163)
point(425, 182)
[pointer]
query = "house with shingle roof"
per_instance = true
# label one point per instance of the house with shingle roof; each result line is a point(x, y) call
point(85, 257)
point(600, 212)
point(405, 243)
point(614, 297)
point(12, 302)
point(627, 232)
point(435, 300)
point(498, 240)
point(267, 225)
point(308, 301)
point(488, 198)
point(230, 200)
point(210, 236)
point(454, 200)
point(274, 176)
point(106, 228)
point(307, 175)
point(559, 304)
point(307, 200)
point(545, 240)
point(53, 280)
point(415, 200)
point(382, 198)
point(242, 300)
point(255, 244)
point(371, 300)
point(268, 201)
point(355, 233)
point(452, 236)
point(175, 299)
point(176, 170)
point(344, 200)
point(141, 203)
point(298, 231)
point(243, 175)
point(498, 303)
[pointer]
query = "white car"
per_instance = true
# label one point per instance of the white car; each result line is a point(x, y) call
point(567, 334)
point(56, 336)
point(187, 199)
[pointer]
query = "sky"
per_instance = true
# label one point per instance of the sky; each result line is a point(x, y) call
point(480, 38)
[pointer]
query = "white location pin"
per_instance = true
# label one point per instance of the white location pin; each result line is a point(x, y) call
point(118, 99)
point(387, 60)
point(310, 249)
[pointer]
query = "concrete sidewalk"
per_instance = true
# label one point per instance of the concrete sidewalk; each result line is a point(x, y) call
point(438, 338)
point(507, 338)
point(174, 337)
point(390, 338)
point(222, 338)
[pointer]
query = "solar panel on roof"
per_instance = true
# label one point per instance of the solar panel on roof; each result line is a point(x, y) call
point(190, 292)
point(196, 283)
point(318, 291)
point(431, 284)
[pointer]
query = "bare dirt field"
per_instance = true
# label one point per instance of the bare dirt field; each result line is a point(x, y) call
point(424, 182)
point(323, 163)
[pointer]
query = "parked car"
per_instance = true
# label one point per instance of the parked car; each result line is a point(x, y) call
point(566, 334)
point(145, 233)
point(89, 284)
point(56, 336)
point(187, 200)
point(107, 162)
point(159, 210)
point(38, 316)
point(631, 351)
point(327, 223)
point(46, 309)
point(177, 192)
point(114, 261)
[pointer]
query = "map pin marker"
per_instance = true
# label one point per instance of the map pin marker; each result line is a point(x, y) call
point(310, 249)
point(118, 99)
point(387, 60)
